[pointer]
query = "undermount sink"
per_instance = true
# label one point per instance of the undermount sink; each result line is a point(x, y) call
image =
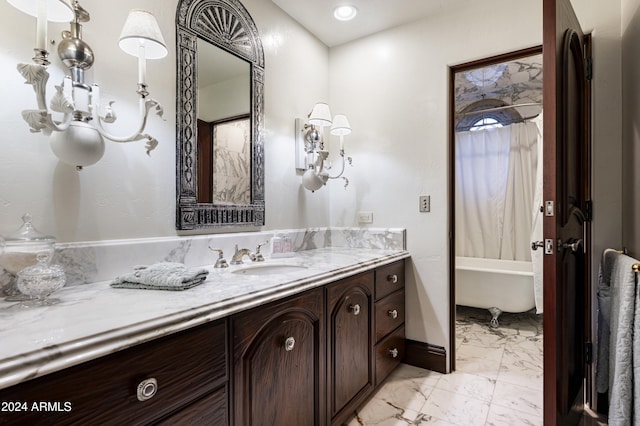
point(269, 269)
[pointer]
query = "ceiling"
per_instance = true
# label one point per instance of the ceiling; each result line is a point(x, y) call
point(373, 16)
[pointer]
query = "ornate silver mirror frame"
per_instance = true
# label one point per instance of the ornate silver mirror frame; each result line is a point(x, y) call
point(227, 25)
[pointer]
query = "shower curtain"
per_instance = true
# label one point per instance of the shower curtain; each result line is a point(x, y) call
point(498, 182)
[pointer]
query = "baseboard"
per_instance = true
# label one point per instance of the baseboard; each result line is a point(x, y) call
point(425, 355)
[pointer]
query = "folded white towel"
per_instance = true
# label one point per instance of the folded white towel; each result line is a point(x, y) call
point(162, 276)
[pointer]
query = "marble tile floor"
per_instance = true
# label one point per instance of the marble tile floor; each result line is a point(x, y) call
point(498, 379)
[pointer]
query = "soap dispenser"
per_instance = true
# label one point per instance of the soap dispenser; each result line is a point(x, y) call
point(281, 246)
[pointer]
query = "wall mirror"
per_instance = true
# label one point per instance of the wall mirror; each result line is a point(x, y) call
point(219, 116)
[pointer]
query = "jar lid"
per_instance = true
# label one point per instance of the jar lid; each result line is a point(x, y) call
point(41, 269)
point(28, 233)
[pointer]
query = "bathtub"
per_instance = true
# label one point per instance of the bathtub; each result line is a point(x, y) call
point(492, 283)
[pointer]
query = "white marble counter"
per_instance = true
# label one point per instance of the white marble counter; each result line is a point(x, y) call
point(95, 320)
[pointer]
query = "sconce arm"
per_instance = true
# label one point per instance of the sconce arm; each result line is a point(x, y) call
point(347, 159)
point(40, 119)
point(146, 104)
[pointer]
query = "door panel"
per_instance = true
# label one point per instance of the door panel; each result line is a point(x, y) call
point(278, 362)
point(567, 186)
point(350, 350)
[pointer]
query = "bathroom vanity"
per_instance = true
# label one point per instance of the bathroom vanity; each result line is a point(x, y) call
point(303, 342)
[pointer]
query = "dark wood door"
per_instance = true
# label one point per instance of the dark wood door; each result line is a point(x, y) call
point(566, 196)
point(350, 348)
point(205, 162)
point(278, 363)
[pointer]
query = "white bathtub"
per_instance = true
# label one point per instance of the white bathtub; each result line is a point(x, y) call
point(493, 283)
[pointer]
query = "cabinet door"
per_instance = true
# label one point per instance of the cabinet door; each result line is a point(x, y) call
point(279, 367)
point(350, 343)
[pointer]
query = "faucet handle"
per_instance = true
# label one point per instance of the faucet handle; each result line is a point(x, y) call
point(258, 257)
point(221, 262)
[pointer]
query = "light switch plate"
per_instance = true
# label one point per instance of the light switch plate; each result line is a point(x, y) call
point(425, 203)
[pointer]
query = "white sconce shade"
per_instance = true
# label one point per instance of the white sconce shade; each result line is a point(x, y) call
point(320, 115)
point(57, 10)
point(141, 28)
point(340, 126)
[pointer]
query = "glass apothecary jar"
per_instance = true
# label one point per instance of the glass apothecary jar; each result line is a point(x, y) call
point(40, 280)
point(21, 250)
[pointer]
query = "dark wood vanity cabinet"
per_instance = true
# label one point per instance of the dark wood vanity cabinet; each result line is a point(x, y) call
point(309, 359)
point(313, 359)
point(153, 382)
point(349, 344)
point(389, 319)
point(279, 363)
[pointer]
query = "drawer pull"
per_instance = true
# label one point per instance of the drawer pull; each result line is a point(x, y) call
point(289, 344)
point(392, 278)
point(355, 309)
point(393, 314)
point(147, 389)
point(393, 352)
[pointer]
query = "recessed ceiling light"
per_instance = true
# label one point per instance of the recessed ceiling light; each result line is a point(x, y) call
point(345, 13)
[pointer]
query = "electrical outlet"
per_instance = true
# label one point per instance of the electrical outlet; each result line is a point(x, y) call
point(365, 217)
point(425, 203)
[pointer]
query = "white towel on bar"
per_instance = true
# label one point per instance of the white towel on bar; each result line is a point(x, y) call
point(624, 344)
point(604, 320)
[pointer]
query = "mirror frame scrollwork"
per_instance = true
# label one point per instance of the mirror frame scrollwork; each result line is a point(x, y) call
point(227, 25)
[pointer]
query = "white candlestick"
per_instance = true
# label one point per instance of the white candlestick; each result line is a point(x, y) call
point(41, 25)
point(341, 143)
point(142, 65)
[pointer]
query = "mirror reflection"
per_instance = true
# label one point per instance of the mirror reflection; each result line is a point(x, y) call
point(224, 126)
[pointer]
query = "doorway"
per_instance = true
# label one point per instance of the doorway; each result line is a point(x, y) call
point(495, 181)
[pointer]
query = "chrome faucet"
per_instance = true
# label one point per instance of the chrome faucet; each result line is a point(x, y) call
point(221, 262)
point(258, 257)
point(236, 259)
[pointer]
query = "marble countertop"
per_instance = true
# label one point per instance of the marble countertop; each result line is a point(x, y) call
point(94, 320)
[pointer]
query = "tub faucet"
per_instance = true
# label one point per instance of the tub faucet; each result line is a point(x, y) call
point(236, 259)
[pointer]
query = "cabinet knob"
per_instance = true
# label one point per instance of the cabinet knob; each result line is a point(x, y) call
point(147, 389)
point(355, 309)
point(393, 314)
point(393, 352)
point(289, 344)
point(392, 278)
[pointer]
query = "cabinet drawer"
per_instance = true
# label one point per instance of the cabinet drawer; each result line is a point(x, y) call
point(389, 353)
point(389, 314)
point(210, 410)
point(389, 279)
point(186, 366)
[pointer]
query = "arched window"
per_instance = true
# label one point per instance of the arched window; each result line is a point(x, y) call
point(485, 114)
point(485, 123)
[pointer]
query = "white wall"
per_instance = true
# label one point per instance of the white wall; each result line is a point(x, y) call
point(236, 93)
point(128, 194)
point(394, 88)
